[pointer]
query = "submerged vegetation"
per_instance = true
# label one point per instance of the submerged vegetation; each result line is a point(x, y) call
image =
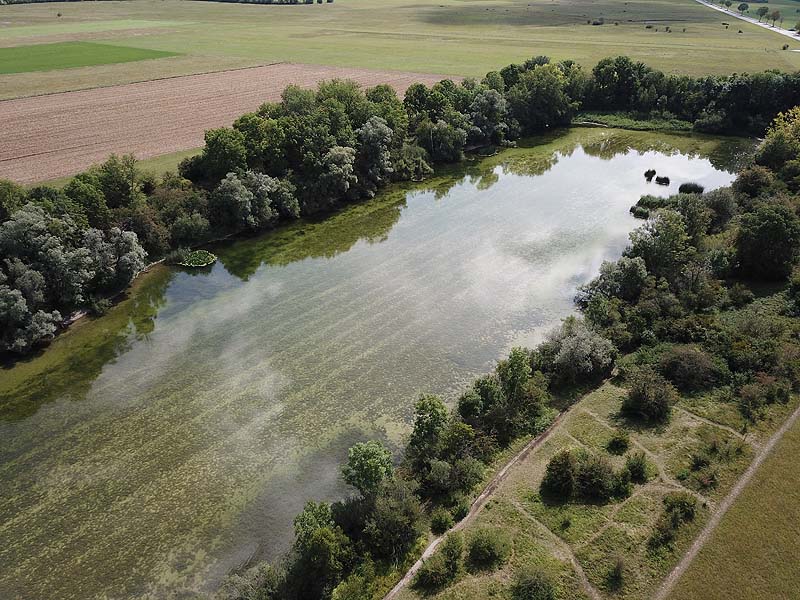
point(676, 307)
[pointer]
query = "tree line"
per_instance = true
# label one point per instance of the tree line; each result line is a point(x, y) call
point(675, 314)
point(315, 150)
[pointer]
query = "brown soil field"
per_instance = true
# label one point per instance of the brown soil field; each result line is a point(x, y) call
point(52, 136)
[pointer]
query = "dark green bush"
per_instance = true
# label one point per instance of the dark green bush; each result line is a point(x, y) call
point(650, 397)
point(690, 369)
point(691, 188)
point(488, 548)
point(619, 442)
point(637, 466)
point(441, 521)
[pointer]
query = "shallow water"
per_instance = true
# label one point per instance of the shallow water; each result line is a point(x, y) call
point(151, 450)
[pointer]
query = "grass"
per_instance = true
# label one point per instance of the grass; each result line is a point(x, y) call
point(68, 55)
point(198, 258)
point(157, 166)
point(752, 553)
point(446, 36)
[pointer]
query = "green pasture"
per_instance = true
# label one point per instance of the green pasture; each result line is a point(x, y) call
point(455, 37)
point(68, 55)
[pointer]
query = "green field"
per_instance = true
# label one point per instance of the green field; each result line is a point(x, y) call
point(68, 55)
point(753, 552)
point(446, 36)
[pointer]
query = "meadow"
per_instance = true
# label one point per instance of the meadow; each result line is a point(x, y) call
point(448, 37)
point(750, 554)
point(67, 55)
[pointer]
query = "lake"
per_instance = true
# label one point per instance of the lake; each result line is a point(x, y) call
point(148, 451)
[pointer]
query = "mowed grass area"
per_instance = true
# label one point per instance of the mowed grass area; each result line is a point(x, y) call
point(68, 55)
point(456, 37)
point(753, 552)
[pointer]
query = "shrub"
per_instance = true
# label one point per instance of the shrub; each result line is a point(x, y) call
point(679, 508)
point(573, 353)
point(488, 548)
point(639, 212)
point(619, 442)
point(532, 583)
point(740, 295)
point(441, 521)
point(691, 188)
point(689, 368)
point(594, 479)
point(443, 567)
point(752, 181)
point(650, 396)
point(559, 477)
point(637, 467)
point(460, 508)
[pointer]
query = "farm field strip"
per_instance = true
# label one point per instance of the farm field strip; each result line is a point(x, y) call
point(53, 136)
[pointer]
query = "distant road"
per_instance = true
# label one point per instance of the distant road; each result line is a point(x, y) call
point(754, 21)
point(52, 136)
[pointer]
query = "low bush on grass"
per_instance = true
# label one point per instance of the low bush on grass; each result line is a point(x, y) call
point(488, 548)
point(691, 369)
point(638, 467)
point(442, 568)
point(619, 442)
point(679, 508)
point(650, 397)
point(532, 583)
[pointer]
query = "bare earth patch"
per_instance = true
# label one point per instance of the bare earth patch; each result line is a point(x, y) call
point(52, 136)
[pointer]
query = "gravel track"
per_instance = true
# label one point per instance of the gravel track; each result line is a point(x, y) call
point(52, 136)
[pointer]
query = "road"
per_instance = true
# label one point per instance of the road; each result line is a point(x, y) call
point(736, 15)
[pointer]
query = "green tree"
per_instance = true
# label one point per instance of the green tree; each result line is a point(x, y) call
point(762, 12)
point(430, 420)
point(743, 7)
point(12, 197)
point(662, 243)
point(394, 524)
point(538, 100)
point(650, 397)
point(368, 464)
point(768, 242)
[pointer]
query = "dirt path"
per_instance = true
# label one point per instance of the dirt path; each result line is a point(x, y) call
point(752, 20)
point(52, 136)
point(672, 579)
point(564, 549)
point(479, 503)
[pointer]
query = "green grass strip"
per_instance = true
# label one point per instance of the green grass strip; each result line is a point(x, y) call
point(67, 55)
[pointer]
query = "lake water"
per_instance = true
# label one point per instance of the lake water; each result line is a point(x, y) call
point(151, 450)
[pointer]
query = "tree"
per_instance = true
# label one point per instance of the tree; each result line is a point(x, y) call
point(782, 142)
point(430, 420)
point(488, 548)
point(774, 16)
point(662, 243)
point(743, 7)
point(443, 142)
point(393, 526)
point(573, 353)
point(12, 197)
point(538, 100)
point(231, 205)
point(753, 181)
point(373, 156)
point(225, 152)
point(488, 114)
point(762, 12)
point(650, 397)
point(368, 464)
point(86, 192)
point(120, 181)
point(768, 242)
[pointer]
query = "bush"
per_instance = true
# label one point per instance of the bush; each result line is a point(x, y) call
point(619, 442)
point(637, 467)
point(532, 583)
point(753, 181)
point(595, 479)
point(679, 508)
point(488, 548)
point(740, 295)
point(441, 521)
point(443, 567)
point(650, 397)
point(691, 188)
point(690, 369)
point(559, 476)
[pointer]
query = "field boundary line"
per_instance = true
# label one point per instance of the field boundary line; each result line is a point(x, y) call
point(672, 579)
point(481, 500)
point(138, 81)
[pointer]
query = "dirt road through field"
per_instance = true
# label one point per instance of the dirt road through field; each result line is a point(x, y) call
point(52, 136)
